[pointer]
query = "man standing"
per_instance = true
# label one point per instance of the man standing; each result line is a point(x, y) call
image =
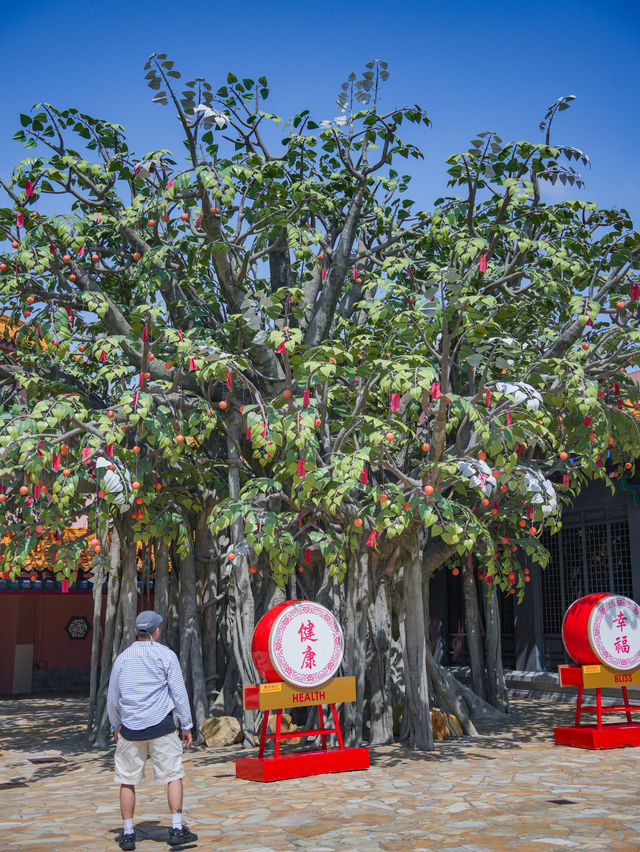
point(146, 685)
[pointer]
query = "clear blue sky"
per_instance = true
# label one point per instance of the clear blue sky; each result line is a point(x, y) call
point(473, 65)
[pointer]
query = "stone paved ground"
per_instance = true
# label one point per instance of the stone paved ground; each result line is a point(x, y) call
point(491, 793)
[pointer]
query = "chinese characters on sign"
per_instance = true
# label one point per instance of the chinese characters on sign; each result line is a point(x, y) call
point(307, 634)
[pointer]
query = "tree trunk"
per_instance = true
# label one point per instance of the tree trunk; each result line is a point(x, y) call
point(417, 721)
point(207, 557)
point(473, 628)
point(128, 603)
point(356, 643)
point(190, 638)
point(98, 580)
point(381, 729)
point(161, 585)
point(173, 610)
point(497, 688)
point(101, 728)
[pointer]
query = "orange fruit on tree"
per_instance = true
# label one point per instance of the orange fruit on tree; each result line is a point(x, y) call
point(286, 394)
point(152, 223)
point(222, 404)
point(184, 216)
point(136, 255)
point(72, 278)
point(563, 455)
point(503, 488)
point(165, 218)
point(504, 539)
point(317, 421)
point(65, 258)
point(24, 490)
point(406, 506)
point(139, 501)
point(585, 346)
point(102, 493)
point(390, 436)
point(3, 267)
point(428, 489)
point(66, 472)
point(147, 376)
point(425, 447)
point(15, 244)
point(358, 281)
point(485, 501)
point(455, 572)
point(3, 497)
point(533, 530)
point(168, 364)
point(522, 522)
point(180, 438)
point(98, 549)
point(495, 473)
point(151, 357)
point(357, 523)
point(628, 465)
point(383, 498)
point(30, 300)
point(39, 529)
point(95, 258)
point(482, 455)
point(136, 448)
point(135, 485)
point(253, 568)
point(231, 556)
point(213, 210)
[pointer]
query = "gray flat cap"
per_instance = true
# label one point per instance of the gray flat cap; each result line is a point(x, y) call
point(148, 621)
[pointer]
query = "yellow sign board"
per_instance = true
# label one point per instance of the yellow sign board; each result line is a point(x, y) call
point(597, 677)
point(281, 696)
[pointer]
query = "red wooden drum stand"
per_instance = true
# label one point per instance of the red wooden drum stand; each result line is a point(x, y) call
point(611, 734)
point(279, 696)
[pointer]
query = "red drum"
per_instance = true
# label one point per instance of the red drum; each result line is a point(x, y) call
point(299, 642)
point(603, 628)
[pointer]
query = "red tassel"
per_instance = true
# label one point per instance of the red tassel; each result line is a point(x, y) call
point(264, 429)
point(199, 221)
point(395, 402)
point(193, 364)
point(140, 380)
point(530, 511)
point(519, 448)
point(134, 399)
point(229, 379)
point(482, 265)
point(565, 479)
point(616, 389)
point(98, 218)
point(634, 292)
point(82, 251)
point(307, 555)
point(435, 390)
point(301, 470)
point(488, 397)
point(180, 335)
point(599, 461)
point(20, 220)
point(110, 450)
point(364, 476)
point(55, 462)
point(248, 433)
point(324, 273)
point(373, 537)
point(36, 492)
point(145, 334)
point(86, 452)
point(28, 189)
point(355, 273)
point(305, 398)
point(508, 418)
point(64, 586)
point(619, 403)
point(588, 421)
point(600, 394)
point(589, 322)
point(52, 249)
point(281, 348)
point(103, 357)
point(299, 520)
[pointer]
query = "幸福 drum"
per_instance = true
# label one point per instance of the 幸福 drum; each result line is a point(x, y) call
point(300, 642)
point(603, 628)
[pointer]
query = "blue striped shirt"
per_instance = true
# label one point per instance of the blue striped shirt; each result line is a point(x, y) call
point(146, 684)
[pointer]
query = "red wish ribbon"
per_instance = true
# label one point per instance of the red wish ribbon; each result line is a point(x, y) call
point(103, 357)
point(36, 492)
point(589, 321)
point(193, 364)
point(134, 399)
point(140, 380)
point(488, 397)
point(616, 389)
point(28, 188)
point(482, 264)
point(52, 249)
point(70, 315)
point(565, 479)
point(229, 379)
point(324, 273)
point(55, 462)
point(98, 218)
point(395, 402)
point(64, 586)
point(305, 398)
point(634, 292)
point(307, 555)
point(248, 433)
point(435, 390)
point(519, 448)
point(199, 221)
point(364, 476)
point(20, 220)
point(588, 421)
point(301, 470)
point(86, 453)
point(599, 461)
point(110, 450)
point(508, 418)
point(180, 335)
point(355, 273)
point(145, 334)
point(373, 537)
point(530, 511)
point(82, 251)
point(281, 348)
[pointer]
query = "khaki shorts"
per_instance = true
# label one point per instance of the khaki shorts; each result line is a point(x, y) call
point(166, 757)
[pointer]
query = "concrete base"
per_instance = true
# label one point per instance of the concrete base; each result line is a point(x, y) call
point(590, 736)
point(300, 764)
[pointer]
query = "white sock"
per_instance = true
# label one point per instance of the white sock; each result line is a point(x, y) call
point(127, 826)
point(176, 821)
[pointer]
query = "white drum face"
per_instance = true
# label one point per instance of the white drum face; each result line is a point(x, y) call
point(614, 632)
point(306, 644)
